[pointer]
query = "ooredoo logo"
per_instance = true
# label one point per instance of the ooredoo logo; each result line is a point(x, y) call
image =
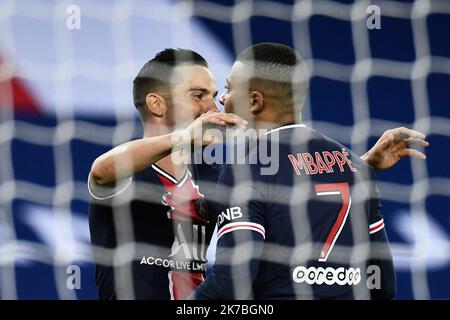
point(329, 276)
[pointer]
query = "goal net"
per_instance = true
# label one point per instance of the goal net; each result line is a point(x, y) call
point(66, 73)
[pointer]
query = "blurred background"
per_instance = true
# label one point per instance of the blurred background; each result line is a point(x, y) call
point(66, 71)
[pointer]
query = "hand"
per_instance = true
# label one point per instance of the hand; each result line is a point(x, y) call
point(197, 131)
point(393, 145)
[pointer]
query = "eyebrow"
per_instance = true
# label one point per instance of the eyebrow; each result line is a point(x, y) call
point(204, 90)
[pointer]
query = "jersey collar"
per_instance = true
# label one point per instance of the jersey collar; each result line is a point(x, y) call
point(287, 126)
point(169, 177)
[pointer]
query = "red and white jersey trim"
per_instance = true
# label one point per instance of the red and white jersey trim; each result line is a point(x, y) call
point(377, 226)
point(182, 284)
point(241, 226)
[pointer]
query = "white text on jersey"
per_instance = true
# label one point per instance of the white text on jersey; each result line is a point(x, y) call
point(229, 214)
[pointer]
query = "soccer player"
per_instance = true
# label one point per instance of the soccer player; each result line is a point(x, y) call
point(311, 230)
point(153, 211)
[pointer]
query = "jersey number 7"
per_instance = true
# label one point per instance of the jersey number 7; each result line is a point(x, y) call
point(343, 190)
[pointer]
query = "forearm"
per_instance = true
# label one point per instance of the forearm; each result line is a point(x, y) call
point(131, 157)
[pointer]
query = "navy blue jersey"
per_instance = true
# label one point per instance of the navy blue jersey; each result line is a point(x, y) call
point(304, 225)
point(145, 246)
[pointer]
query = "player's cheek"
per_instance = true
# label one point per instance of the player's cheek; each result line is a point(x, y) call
point(194, 113)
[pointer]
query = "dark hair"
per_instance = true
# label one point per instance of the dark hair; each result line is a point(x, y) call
point(156, 74)
point(279, 71)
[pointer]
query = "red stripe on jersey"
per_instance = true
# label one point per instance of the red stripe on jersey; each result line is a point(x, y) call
point(183, 284)
point(377, 226)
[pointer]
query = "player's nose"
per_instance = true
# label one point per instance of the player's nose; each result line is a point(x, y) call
point(222, 98)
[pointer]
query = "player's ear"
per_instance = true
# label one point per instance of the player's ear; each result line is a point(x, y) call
point(156, 105)
point(256, 102)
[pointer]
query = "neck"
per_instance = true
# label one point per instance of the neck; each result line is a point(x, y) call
point(154, 129)
point(276, 120)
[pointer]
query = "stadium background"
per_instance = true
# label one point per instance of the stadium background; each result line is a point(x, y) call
point(65, 97)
